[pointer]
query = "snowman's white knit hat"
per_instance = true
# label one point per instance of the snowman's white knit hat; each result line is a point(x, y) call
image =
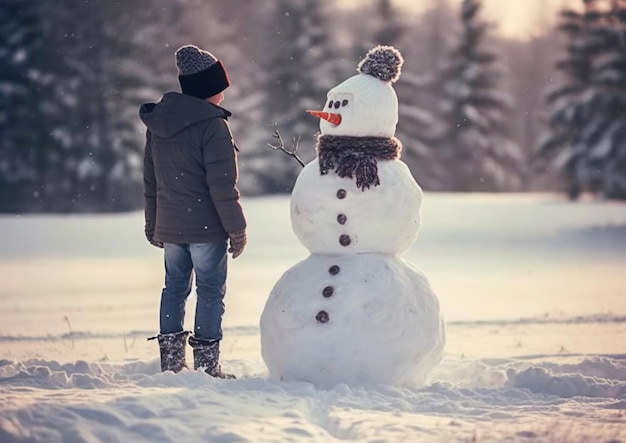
point(375, 103)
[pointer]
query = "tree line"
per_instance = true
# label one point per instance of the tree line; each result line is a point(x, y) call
point(478, 112)
point(587, 126)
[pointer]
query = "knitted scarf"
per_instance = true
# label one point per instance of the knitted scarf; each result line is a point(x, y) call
point(355, 157)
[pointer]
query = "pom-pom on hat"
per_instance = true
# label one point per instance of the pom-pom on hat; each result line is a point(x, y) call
point(382, 62)
point(200, 73)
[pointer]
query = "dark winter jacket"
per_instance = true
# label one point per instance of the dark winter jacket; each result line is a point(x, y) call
point(190, 171)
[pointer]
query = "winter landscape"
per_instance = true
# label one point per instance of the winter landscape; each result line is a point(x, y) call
point(532, 287)
point(502, 320)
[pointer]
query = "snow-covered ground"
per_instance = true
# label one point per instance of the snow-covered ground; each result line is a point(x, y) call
point(533, 288)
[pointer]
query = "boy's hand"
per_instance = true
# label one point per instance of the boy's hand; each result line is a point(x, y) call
point(150, 236)
point(158, 244)
point(238, 241)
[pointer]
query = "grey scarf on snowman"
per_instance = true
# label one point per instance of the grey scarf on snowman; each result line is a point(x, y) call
point(355, 157)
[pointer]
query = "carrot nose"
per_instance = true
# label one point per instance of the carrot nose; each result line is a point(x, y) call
point(334, 119)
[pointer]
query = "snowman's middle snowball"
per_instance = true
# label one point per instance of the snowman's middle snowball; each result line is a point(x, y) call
point(383, 219)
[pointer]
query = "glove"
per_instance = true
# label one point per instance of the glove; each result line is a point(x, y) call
point(149, 231)
point(238, 241)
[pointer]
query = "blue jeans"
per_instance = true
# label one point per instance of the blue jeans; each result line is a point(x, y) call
point(209, 261)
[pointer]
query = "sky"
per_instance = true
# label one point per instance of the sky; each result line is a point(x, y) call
point(521, 18)
point(515, 18)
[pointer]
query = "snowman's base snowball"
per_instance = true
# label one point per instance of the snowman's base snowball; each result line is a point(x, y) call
point(375, 321)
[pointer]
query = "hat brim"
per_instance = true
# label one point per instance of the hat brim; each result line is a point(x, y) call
point(206, 83)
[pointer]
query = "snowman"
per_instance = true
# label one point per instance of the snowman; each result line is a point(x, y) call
point(354, 311)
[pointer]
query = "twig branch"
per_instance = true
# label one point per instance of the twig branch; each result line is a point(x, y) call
point(69, 326)
point(281, 147)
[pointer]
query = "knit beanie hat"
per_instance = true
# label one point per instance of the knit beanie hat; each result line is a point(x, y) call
point(200, 73)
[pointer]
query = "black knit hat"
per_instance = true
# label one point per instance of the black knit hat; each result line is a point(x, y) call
point(200, 73)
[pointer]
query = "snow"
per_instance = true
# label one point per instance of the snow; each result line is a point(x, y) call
point(532, 287)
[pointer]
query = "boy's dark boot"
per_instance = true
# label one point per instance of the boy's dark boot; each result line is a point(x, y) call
point(206, 354)
point(172, 347)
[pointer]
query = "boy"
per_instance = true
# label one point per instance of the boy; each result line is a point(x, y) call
point(192, 205)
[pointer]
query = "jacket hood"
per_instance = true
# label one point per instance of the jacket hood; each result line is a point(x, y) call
point(176, 112)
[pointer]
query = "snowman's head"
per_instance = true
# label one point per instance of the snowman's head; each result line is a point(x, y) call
point(365, 105)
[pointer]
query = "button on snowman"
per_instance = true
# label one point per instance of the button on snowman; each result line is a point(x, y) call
point(354, 311)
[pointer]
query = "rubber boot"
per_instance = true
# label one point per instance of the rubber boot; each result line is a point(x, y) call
point(172, 348)
point(206, 354)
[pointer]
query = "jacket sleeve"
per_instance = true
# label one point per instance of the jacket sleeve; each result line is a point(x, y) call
point(149, 185)
point(220, 162)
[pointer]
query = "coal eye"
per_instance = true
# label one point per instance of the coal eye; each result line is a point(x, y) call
point(337, 104)
point(330, 104)
point(344, 103)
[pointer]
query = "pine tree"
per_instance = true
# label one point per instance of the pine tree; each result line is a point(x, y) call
point(300, 73)
point(605, 132)
point(75, 72)
point(475, 149)
point(103, 75)
point(530, 63)
point(569, 131)
point(29, 154)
